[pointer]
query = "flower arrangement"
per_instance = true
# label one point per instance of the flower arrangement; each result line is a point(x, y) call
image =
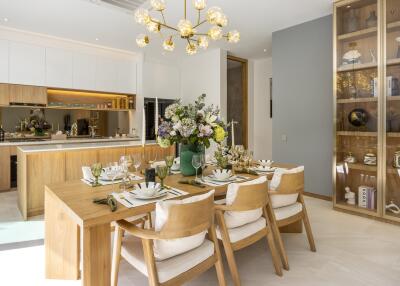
point(35, 123)
point(195, 124)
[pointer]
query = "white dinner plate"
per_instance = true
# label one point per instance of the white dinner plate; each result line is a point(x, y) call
point(213, 178)
point(157, 195)
point(264, 169)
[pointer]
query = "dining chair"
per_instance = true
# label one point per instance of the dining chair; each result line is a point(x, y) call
point(287, 206)
point(243, 220)
point(177, 249)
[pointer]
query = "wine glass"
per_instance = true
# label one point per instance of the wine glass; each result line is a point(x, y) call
point(125, 162)
point(162, 172)
point(203, 165)
point(196, 162)
point(169, 161)
point(96, 171)
point(137, 162)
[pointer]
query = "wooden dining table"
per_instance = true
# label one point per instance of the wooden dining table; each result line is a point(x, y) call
point(72, 217)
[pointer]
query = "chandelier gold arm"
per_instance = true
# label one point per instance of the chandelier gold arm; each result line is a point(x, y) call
point(164, 25)
point(200, 23)
point(185, 8)
point(163, 17)
point(198, 18)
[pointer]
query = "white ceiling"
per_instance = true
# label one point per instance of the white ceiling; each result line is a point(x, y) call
point(89, 21)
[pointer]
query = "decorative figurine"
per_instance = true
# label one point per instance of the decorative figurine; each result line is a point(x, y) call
point(352, 57)
point(372, 53)
point(350, 196)
point(352, 22)
point(350, 158)
point(392, 207)
point(396, 160)
point(358, 117)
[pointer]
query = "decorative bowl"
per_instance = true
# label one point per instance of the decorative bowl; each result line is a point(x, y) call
point(222, 174)
point(148, 189)
point(358, 117)
point(266, 163)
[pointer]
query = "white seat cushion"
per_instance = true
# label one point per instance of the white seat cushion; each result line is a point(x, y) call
point(238, 218)
point(288, 211)
point(167, 248)
point(132, 251)
point(244, 231)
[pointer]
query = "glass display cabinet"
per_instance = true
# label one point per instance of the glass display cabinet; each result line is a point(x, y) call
point(366, 171)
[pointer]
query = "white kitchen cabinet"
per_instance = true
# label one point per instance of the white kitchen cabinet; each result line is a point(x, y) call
point(3, 61)
point(84, 68)
point(58, 68)
point(126, 76)
point(106, 74)
point(27, 64)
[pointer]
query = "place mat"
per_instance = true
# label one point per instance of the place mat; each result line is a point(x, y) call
point(132, 177)
point(130, 201)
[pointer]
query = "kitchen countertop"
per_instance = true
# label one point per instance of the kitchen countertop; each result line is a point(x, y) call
point(81, 146)
point(67, 141)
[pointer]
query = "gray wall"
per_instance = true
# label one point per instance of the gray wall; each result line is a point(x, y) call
point(302, 100)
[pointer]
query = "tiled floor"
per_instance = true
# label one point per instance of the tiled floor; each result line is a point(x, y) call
point(350, 251)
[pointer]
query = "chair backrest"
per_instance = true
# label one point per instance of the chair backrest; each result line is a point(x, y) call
point(250, 197)
point(291, 183)
point(188, 219)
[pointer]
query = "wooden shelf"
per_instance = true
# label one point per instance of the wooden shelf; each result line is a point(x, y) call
point(392, 62)
point(393, 134)
point(85, 108)
point(393, 25)
point(361, 167)
point(357, 34)
point(355, 100)
point(356, 133)
point(355, 208)
point(355, 67)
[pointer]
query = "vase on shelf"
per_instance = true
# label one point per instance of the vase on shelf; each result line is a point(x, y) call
point(352, 21)
point(372, 20)
point(186, 154)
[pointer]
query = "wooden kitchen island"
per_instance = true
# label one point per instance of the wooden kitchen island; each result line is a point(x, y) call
point(58, 163)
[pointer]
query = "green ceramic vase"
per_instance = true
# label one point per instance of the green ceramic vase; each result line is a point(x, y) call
point(186, 154)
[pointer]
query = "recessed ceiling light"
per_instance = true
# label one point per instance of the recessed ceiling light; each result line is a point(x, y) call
point(5, 19)
point(348, 6)
point(265, 50)
point(97, 39)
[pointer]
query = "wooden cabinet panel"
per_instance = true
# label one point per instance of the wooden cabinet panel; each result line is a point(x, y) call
point(134, 150)
point(4, 94)
point(84, 67)
point(58, 68)
point(28, 94)
point(4, 168)
point(75, 160)
point(27, 64)
point(42, 169)
point(110, 155)
point(4, 61)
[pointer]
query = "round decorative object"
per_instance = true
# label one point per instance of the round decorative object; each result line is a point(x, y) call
point(358, 117)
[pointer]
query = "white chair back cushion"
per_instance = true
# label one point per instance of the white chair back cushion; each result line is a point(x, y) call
point(277, 200)
point(167, 248)
point(239, 218)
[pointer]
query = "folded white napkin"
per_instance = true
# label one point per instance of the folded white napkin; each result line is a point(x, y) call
point(87, 173)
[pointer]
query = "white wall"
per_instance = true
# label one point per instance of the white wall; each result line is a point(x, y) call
point(262, 123)
point(205, 73)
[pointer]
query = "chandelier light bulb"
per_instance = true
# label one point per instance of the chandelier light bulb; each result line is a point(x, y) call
point(215, 33)
point(142, 16)
point(200, 4)
point(214, 15)
point(233, 36)
point(202, 41)
point(185, 28)
point(154, 26)
point(191, 49)
point(142, 40)
point(222, 20)
point(169, 45)
point(158, 5)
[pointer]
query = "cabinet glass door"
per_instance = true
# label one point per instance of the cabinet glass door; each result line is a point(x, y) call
point(392, 98)
point(357, 105)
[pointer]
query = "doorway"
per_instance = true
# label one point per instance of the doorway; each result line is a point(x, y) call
point(237, 99)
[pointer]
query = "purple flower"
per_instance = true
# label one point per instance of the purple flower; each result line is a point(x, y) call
point(205, 130)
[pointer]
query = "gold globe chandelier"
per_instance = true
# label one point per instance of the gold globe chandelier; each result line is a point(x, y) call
point(185, 29)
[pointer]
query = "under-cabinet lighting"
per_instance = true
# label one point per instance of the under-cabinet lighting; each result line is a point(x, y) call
point(64, 92)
